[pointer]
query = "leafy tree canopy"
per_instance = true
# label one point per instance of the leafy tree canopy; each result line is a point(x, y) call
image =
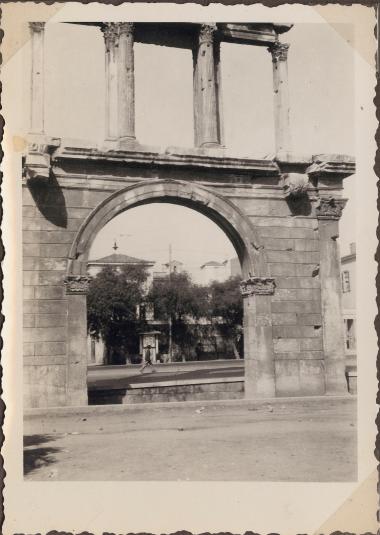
point(112, 302)
point(177, 296)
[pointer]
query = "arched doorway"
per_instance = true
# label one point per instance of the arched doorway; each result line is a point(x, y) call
point(258, 342)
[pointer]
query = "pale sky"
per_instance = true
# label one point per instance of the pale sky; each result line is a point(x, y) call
point(321, 96)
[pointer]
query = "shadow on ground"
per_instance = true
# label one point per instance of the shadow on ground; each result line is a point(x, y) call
point(36, 456)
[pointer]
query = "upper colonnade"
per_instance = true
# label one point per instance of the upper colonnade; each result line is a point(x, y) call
point(204, 40)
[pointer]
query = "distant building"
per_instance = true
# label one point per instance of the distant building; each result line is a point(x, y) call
point(348, 276)
point(174, 266)
point(235, 267)
point(118, 260)
point(214, 271)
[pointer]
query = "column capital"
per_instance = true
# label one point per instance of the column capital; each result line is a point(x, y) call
point(77, 284)
point(257, 286)
point(111, 34)
point(36, 27)
point(330, 208)
point(279, 51)
point(206, 33)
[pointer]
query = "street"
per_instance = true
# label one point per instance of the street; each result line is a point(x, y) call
point(113, 377)
point(288, 439)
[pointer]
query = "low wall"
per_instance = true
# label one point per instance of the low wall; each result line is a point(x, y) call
point(148, 393)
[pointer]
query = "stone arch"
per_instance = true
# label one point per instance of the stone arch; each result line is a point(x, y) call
point(222, 211)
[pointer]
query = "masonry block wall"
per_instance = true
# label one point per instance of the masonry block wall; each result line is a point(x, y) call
point(285, 234)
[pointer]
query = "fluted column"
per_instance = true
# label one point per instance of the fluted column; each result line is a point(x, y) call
point(328, 214)
point(37, 78)
point(206, 117)
point(279, 53)
point(111, 39)
point(258, 338)
point(126, 83)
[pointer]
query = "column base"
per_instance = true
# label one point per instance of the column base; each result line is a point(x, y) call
point(119, 144)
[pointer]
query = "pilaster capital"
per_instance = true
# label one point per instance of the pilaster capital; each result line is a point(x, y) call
point(36, 27)
point(279, 51)
point(77, 284)
point(37, 163)
point(257, 286)
point(111, 34)
point(330, 208)
point(206, 34)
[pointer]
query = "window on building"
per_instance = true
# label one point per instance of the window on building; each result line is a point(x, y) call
point(350, 334)
point(346, 281)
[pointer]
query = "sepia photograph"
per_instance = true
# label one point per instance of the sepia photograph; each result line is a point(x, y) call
point(188, 216)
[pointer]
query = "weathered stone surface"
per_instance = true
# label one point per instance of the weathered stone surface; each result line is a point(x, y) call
point(298, 294)
point(306, 245)
point(28, 349)
point(28, 292)
point(313, 307)
point(48, 236)
point(311, 344)
point(285, 345)
point(302, 355)
point(44, 264)
point(309, 319)
point(49, 292)
point(284, 318)
point(287, 232)
point(312, 377)
point(29, 320)
point(297, 282)
point(50, 320)
point(285, 222)
point(291, 270)
point(44, 334)
point(287, 377)
point(49, 348)
point(301, 257)
point(44, 386)
point(296, 331)
point(40, 224)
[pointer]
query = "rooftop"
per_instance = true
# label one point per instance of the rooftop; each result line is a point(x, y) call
point(120, 259)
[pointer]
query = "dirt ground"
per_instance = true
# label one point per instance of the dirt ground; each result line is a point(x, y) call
point(307, 439)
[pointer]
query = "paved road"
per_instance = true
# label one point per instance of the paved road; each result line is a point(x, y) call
point(303, 439)
point(123, 377)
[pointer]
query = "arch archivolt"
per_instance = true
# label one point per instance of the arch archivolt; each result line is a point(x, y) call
point(222, 211)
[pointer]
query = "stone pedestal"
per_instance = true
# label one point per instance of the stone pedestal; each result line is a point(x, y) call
point(279, 53)
point(258, 338)
point(37, 80)
point(206, 117)
point(328, 214)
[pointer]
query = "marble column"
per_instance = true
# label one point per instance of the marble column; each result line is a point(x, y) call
point(258, 338)
point(126, 84)
point(279, 53)
point(37, 78)
point(111, 39)
point(207, 125)
point(328, 214)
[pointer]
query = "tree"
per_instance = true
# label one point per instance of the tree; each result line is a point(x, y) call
point(226, 303)
point(176, 299)
point(112, 302)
